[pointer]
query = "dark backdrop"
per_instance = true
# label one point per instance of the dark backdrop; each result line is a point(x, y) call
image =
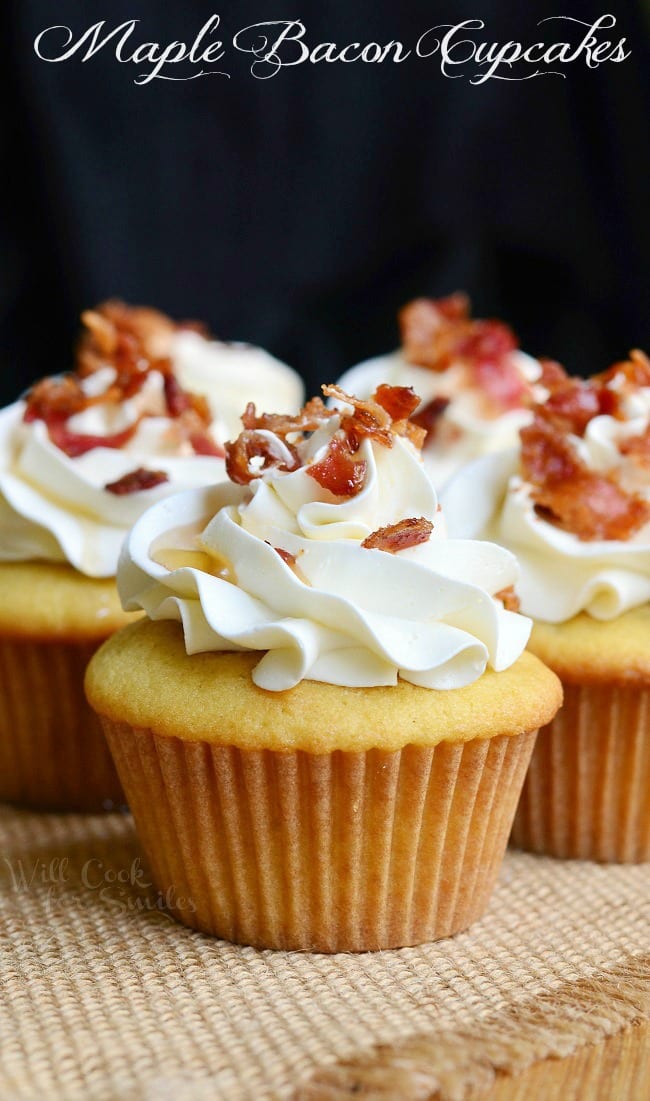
point(301, 212)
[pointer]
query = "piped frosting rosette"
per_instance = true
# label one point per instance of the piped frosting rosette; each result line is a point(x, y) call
point(328, 555)
point(476, 385)
point(573, 501)
point(139, 418)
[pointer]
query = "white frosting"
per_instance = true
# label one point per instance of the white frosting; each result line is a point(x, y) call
point(345, 615)
point(465, 429)
point(561, 574)
point(229, 375)
point(56, 508)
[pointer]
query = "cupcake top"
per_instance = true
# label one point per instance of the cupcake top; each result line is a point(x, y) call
point(326, 551)
point(477, 386)
point(573, 500)
point(140, 416)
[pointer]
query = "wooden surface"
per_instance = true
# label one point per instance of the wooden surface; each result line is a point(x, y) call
point(616, 1070)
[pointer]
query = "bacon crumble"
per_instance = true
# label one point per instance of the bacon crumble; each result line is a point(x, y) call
point(509, 599)
point(253, 444)
point(566, 493)
point(133, 341)
point(286, 556)
point(427, 417)
point(397, 537)
point(136, 481)
point(340, 470)
point(439, 332)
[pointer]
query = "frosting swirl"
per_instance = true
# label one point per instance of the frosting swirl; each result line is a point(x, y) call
point(278, 564)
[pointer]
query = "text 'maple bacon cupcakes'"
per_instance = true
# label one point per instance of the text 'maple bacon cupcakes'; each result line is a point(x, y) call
point(323, 724)
point(573, 503)
point(80, 458)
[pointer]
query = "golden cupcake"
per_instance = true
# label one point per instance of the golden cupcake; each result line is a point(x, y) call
point(323, 725)
point(81, 457)
point(574, 505)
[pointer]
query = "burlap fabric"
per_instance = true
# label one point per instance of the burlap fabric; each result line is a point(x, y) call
point(104, 997)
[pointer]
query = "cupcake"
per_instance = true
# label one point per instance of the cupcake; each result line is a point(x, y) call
point(81, 457)
point(476, 384)
point(573, 503)
point(323, 723)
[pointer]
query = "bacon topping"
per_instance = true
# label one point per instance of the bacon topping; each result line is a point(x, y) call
point(509, 599)
point(569, 495)
point(571, 405)
point(437, 333)
point(311, 417)
point(637, 447)
point(399, 536)
point(552, 375)
point(339, 471)
point(202, 443)
point(398, 401)
point(635, 370)
point(286, 556)
point(252, 444)
point(369, 419)
point(134, 342)
point(136, 481)
point(75, 444)
point(58, 397)
point(427, 417)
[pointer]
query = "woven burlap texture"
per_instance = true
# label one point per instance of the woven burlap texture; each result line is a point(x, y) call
point(103, 997)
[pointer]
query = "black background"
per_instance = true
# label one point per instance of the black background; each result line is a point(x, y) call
point(300, 212)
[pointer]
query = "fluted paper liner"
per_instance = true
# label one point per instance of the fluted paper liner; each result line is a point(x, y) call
point(587, 792)
point(334, 852)
point(53, 754)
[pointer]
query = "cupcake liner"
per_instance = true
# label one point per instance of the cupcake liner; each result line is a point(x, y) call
point(334, 852)
point(586, 795)
point(53, 754)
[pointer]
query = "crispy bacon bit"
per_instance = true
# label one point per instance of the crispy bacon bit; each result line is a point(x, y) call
point(58, 397)
point(635, 370)
point(571, 405)
point(251, 444)
point(501, 382)
point(133, 341)
point(509, 599)
point(398, 401)
point(399, 536)
point(339, 471)
point(436, 334)
point(553, 374)
point(427, 324)
point(310, 418)
point(125, 337)
point(177, 400)
point(136, 481)
point(569, 495)
point(286, 556)
point(637, 448)
point(428, 415)
point(75, 444)
point(368, 419)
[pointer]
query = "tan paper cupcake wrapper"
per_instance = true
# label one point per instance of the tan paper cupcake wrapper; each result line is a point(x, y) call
point(53, 755)
point(587, 792)
point(338, 852)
